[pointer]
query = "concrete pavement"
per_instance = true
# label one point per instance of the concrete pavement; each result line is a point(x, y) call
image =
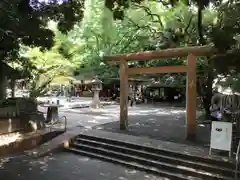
point(67, 166)
point(158, 122)
point(154, 121)
point(76, 102)
point(164, 123)
point(87, 117)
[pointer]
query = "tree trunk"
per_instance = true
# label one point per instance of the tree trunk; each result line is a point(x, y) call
point(3, 85)
point(12, 88)
point(204, 89)
point(206, 92)
point(3, 82)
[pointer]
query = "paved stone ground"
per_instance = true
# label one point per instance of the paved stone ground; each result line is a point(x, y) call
point(76, 102)
point(66, 166)
point(164, 123)
point(86, 117)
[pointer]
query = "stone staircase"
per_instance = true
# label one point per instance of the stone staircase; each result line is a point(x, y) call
point(165, 163)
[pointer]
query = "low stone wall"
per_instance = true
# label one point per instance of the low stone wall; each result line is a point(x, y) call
point(28, 141)
point(8, 125)
point(25, 123)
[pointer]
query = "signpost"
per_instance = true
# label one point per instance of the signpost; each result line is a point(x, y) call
point(221, 136)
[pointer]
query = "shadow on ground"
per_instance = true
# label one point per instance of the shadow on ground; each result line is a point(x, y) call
point(163, 123)
point(66, 166)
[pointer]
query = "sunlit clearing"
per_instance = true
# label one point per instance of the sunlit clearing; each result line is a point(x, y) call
point(9, 138)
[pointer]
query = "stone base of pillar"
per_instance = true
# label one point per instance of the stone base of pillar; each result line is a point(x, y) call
point(96, 104)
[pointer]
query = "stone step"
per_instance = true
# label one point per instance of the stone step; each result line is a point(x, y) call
point(168, 167)
point(157, 157)
point(169, 175)
point(219, 162)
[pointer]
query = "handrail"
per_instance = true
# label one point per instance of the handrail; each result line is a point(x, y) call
point(65, 122)
point(237, 160)
point(55, 122)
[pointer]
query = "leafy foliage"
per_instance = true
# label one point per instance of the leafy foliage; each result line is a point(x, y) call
point(24, 21)
point(114, 26)
point(197, 22)
point(41, 68)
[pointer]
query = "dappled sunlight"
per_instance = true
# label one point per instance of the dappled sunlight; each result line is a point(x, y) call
point(194, 170)
point(100, 117)
point(111, 115)
point(130, 171)
point(163, 113)
point(146, 111)
point(84, 159)
point(151, 177)
point(202, 125)
point(138, 113)
point(178, 111)
point(42, 163)
point(164, 123)
point(88, 127)
point(105, 174)
point(158, 111)
point(154, 121)
point(151, 119)
point(139, 124)
point(4, 160)
point(94, 121)
point(7, 139)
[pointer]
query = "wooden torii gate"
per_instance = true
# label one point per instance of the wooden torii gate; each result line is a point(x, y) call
point(190, 68)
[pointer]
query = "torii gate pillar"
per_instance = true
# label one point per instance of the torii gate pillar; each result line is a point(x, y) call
point(191, 98)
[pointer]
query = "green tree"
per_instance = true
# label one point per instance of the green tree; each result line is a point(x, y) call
point(194, 23)
point(24, 22)
point(149, 25)
point(40, 68)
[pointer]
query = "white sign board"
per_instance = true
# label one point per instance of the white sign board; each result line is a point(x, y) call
point(221, 136)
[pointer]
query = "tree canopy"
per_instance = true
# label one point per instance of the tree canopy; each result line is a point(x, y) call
point(25, 21)
point(87, 30)
point(140, 25)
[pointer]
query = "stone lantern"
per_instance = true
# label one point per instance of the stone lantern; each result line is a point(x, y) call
point(96, 88)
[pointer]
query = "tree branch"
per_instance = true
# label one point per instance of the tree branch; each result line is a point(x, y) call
point(188, 25)
point(141, 27)
point(124, 35)
point(149, 13)
point(199, 25)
